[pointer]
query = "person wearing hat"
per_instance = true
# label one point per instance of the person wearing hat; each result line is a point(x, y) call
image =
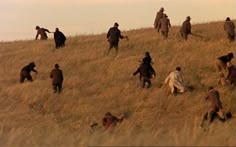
point(229, 28)
point(113, 36)
point(215, 107)
point(146, 72)
point(186, 28)
point(59, 38)
point(110, 120)
point(221, 68)
point(176, 81)
point(164, 25)
point(57, 78)
point(42, 33)
point(159, 15)
point(25, 72)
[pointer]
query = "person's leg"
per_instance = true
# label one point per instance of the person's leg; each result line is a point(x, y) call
point(28, 77)
point(111, 45)
point(22, 77)
point(149, 82)
point(54, 86)
point(142, 82)
point(59, 87)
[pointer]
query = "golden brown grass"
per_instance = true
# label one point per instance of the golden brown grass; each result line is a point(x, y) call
point(31, 115)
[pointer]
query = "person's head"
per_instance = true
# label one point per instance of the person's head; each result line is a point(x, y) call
point(210, 88)
point(107, 113)
point(32, 64)
point(188, 18)
point(56, 29)
point(116, 24)
point(164, 16)
point(37, 27)
point(178, 68)
point(228, 64)
point(147, 54)
point(56, 66)
point(227, 19)
point(230, 55)
point(162, 9)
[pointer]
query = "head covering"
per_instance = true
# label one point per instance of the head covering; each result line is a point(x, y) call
point(147, 53)
point(227, 19)
point(230, 55)
point(116, 24)
point(210, 88)
point(57, 66)
point(107, 113)
point(56, 29)
point(178, 68)
point(164, 15)
point(32, 64)
point(37, 27)
point(188, 17)
point(162, 9)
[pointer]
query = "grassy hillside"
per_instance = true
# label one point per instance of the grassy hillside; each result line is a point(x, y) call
point(32, 115)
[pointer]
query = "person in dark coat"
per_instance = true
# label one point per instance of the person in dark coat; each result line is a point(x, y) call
point(164, 25)
point(229, 28)
point(221, 67)
point(215, 107)
point(110, 120)
point(57, 78)
point(158, 17)
point(146, 73)
point(113, 36)
point(186, 28)
point(25, 72)
point(59, 38)
point(42, 33)
point(231, 73)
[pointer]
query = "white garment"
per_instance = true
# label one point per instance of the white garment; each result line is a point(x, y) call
point(175, 79)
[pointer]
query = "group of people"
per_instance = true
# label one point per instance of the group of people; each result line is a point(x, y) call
point(59, 37)
point(175, 80)
point(56, 75)
point(162, 22)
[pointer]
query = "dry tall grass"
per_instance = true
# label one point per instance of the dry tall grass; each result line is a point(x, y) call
point(31, 115)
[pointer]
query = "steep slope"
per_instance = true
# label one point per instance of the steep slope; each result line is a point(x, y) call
point(31, 115)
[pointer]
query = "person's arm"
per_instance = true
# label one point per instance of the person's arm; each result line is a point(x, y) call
point(137, 71)
point(51, 75)
point(46, 30)
point(169, 23)
point(36, 37)
point(167, 79)
point(121, 36)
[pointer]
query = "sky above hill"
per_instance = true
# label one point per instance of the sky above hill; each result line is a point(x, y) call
point(76, 17)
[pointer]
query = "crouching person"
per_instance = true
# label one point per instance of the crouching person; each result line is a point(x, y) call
point(215, 107)
point(110, 120)
point(176, 81)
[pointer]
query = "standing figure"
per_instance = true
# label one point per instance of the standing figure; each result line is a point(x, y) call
point(42, 33)
point(229, 29)
point(164, 25)
point(57, 78)
point(186, 28)
point(146, 73)
point(113, 36)
point(59, 38)
point(158, 17)
point(25, 72)
point(176, 81)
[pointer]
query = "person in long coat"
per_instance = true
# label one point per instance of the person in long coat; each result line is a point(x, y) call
point(59, 38)
point(186, 28)
point(57, 78)
point(176, 81)
point(229, 28)
point(164, 25)
point(158, 17)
